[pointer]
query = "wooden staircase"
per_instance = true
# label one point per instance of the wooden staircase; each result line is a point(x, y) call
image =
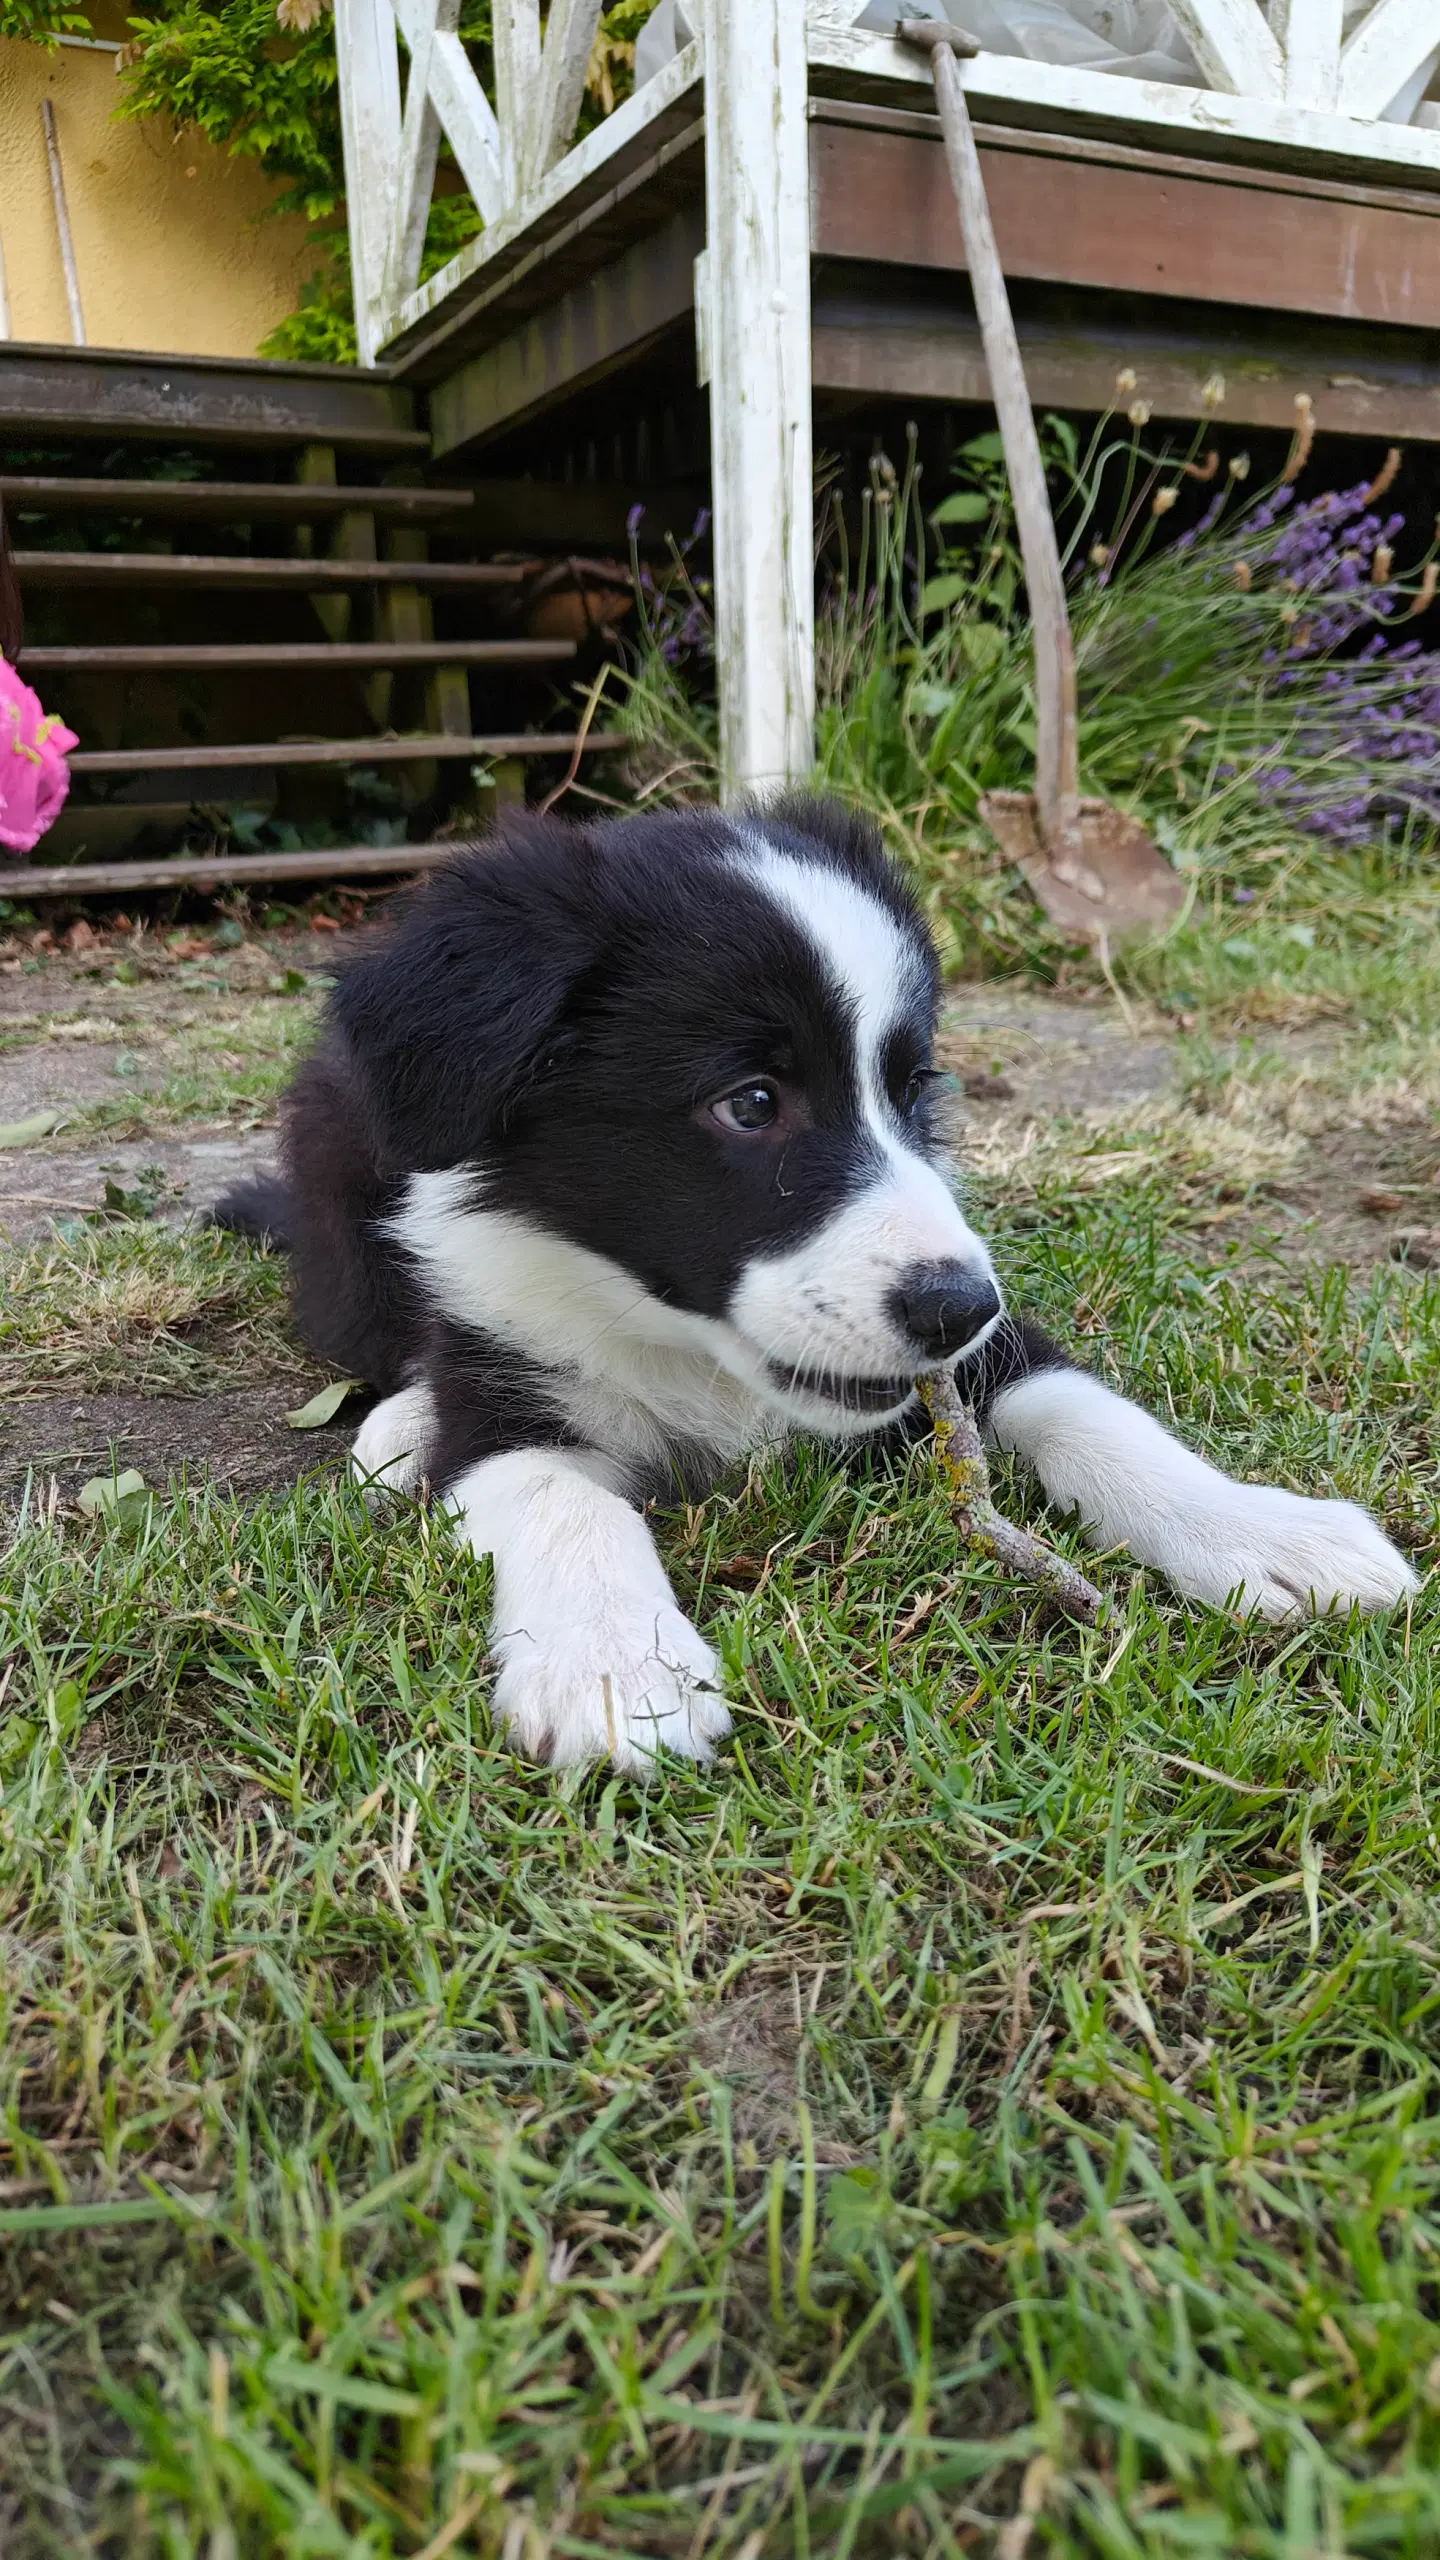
point(223, 643)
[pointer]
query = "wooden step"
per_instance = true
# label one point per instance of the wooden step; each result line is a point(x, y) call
point(291, 502)
point(310, 751)
point(117, 394)
point(259, 654)
point(193, 569)
point(223, 870)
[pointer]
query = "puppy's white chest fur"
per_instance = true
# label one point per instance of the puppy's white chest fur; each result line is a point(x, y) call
point(626, 1373)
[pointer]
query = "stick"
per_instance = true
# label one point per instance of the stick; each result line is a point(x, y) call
point(1056, 734)
point(966, 1478)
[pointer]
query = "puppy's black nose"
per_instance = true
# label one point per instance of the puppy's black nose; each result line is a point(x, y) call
point(943, 1305)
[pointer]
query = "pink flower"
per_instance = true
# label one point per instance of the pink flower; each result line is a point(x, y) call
point(34, 777)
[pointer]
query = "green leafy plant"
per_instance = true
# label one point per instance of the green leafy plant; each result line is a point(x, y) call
point(41, 21)
point(260, 83)
point(1236, 683)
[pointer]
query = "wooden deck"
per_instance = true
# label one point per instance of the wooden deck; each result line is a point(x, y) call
point(1280, 280)
point(768, 218)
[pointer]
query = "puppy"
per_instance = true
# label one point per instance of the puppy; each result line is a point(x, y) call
point(616, 1162)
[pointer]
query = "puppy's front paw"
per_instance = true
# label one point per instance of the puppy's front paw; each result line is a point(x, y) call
point(623, 1687)
point(392, 1442)
point(1287, 1555)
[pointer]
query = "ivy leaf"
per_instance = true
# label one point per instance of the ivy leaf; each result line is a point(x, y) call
point(966, 506)
point(948, 588)
point(26, 1133)
point(121, 1500)
point(322, 1408)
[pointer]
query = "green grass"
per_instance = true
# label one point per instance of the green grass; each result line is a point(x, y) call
point(132, 1305)
point(993, 2109)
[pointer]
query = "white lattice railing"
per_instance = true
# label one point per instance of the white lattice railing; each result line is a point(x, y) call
point(503, 151)
point(1346, 79)
point(1338, 76)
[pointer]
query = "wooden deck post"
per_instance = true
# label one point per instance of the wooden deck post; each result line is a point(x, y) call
point(369, 80)
point(756, 331)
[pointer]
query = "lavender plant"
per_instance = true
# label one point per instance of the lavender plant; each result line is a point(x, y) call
point(1253, 670)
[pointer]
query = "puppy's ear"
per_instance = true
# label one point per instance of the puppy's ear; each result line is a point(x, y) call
point(451, 1013)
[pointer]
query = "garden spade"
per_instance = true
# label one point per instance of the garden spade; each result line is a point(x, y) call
point(1095, 871)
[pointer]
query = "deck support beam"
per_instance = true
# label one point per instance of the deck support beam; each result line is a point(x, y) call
point(368, 75)
point(756, 330)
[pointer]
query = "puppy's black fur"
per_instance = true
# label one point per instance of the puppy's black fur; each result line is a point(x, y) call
point(552, 1006)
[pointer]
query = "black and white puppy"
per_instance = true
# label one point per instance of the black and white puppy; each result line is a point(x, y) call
point(616, 1162)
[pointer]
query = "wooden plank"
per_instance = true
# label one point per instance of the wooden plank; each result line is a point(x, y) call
point(234, 500)
point(1308, 33)
point(515, 36)
point(323, 751)
point(582, 337)
point(885, 196)
point(1353, 186)
point(367, 65)
point(757, 336)
point(1010, 89)
point(461, 105)
point(670, 180)
point(570, 31)
point(1232, 45)
point(870, 340)
point(224, 870)
point(630, 138)
point(1385, 51)
point(260, 654)
point(182, 569)
point(98, 391)
point(418, 153)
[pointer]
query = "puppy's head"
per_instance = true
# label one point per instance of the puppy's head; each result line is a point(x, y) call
point(672, 1078)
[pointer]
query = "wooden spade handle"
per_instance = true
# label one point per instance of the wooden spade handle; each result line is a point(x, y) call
point(1056, 754)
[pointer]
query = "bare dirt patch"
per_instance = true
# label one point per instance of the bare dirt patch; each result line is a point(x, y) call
point(239, 1439)
point(99, 1035)
point(1287, 1098)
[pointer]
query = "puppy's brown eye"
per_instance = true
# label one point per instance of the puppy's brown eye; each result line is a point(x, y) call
point(749, 1107)
point(912, 1093)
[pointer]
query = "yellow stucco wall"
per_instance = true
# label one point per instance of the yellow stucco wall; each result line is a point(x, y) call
point(167, 253)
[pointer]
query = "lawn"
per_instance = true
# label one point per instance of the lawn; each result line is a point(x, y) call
point(992, 2110)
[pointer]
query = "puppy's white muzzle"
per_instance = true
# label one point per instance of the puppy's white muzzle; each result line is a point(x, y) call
point(894, 1281)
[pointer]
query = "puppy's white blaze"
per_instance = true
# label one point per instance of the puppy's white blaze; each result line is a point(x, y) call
point(869, 960)
point(1132, 1484)
point(823, 1305)
point(595, 1658)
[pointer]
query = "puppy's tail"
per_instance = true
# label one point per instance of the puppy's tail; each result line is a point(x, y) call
point(259, 1208)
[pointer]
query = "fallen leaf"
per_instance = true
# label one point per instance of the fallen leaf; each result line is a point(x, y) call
point(113, 1493)
point(25, 1133)
point(1380, 1203)
point(323, 1407)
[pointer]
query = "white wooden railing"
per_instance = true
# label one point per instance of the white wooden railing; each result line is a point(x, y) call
point(1342, 78)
